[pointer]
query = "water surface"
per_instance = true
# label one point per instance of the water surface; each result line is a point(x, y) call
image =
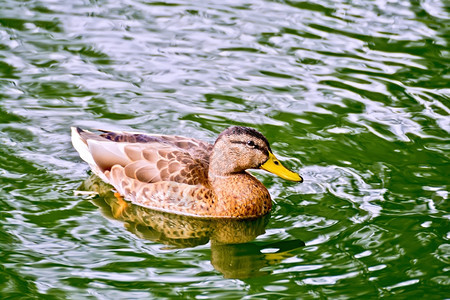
point(354, 94)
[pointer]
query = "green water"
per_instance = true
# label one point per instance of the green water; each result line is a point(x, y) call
point(353, 94)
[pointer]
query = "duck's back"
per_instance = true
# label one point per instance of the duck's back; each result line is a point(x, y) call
point(196, 148)
point(146, 158)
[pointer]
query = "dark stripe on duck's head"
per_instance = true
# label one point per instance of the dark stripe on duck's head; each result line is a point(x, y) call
point(240, 130)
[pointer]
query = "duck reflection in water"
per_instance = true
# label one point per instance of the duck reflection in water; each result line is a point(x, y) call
point(229, 255)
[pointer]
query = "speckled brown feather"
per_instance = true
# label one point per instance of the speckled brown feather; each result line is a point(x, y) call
point(173, 173)
point(152, 158)
point(197, 148)
point(233, 198)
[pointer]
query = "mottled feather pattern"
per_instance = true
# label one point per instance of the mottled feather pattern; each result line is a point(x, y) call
point(163, 195)
point(160, 162)
point(198, 149)
point(179, 174)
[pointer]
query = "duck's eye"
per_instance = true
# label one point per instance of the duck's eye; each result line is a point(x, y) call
point(251, 143)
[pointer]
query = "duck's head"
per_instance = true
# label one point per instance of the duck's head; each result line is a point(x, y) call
point(240, 148)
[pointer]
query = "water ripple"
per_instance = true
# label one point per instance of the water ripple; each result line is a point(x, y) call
point(354, 94)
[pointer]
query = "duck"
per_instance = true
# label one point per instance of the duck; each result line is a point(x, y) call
point(183, 175)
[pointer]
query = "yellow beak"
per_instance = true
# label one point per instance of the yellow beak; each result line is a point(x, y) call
point(274, 166)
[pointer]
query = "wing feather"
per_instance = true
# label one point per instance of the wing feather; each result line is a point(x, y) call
point(148, 158)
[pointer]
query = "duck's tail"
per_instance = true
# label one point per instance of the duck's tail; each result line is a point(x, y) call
point(80, 144)
point(80, 139)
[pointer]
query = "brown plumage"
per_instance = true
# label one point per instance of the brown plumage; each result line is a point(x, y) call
point(184, 175)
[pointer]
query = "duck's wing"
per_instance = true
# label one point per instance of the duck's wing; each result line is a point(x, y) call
point(196, 148)
point(145, 158)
